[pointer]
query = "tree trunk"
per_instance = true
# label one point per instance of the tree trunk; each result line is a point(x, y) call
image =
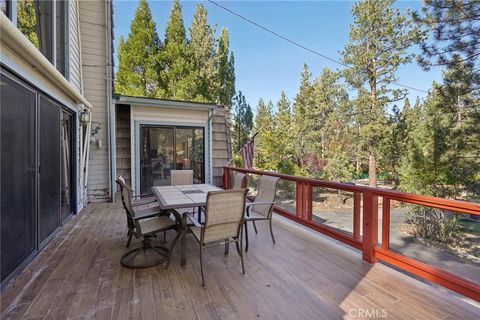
point(372, 169)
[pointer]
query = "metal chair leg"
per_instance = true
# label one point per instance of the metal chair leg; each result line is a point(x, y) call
point(227, 246)
point(241, 253)
point(271, 231)
point(254, 226)
point(246, 237)
point(201, 266)
point(130, 234)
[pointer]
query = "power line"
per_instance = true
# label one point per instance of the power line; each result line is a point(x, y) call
point(278, 35)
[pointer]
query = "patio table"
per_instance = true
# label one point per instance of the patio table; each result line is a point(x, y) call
point(182, 197)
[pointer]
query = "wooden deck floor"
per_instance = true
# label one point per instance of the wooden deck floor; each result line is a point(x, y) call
point(303, 276)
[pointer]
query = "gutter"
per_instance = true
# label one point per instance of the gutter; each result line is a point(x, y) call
point(210, 145)
point(14, 39)
point(112, 153)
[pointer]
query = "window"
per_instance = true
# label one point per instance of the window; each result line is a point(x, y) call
point(34, 20)
point(4, 6)
point(45, 24)
point(61, 44)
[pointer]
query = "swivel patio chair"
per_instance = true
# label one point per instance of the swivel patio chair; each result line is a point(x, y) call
point(137, 200)
point(262, 207)
point(224, 218)
point(146, 224)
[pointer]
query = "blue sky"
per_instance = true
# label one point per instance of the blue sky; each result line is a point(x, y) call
point(265, 64)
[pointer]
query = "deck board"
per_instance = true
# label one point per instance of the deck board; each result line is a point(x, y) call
point(304, 276)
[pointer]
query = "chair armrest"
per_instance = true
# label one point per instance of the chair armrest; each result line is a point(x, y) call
point(258, 203)
point(142, 195)
point(144, 215)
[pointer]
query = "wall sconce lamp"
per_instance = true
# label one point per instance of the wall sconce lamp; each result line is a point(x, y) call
point(85, 117)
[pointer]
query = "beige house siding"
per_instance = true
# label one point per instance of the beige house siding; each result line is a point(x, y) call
point(74, 46)
point(221, 144)
point(96, 60)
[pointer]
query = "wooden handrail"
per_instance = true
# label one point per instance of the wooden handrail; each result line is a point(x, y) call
point(368, 214)
point(435, 202)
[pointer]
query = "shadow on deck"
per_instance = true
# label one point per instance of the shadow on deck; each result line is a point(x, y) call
point(304, 276)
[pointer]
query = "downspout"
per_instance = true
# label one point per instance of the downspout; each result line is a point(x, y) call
point(110, 106)
point(210, 145)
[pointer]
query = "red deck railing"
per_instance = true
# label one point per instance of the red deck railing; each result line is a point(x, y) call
point(368, 213)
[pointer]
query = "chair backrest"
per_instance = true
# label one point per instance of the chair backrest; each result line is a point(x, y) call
point(126, 194)
point(266, 193)
point(238, 179)
point(181, 177)
point(224, 214)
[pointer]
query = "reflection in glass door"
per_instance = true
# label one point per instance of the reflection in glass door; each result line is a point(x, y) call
point(170, 148)
point(66, 164)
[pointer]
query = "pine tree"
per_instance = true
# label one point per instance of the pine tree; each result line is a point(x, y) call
point(328, 133)
point(455, 27)
point(225, 71)
point(202, 42)
point(284, 135)
point(179, 78)
point(242, 121)
point(301, 108)
point(379, 39)
point(264, 126)
point(139, 61)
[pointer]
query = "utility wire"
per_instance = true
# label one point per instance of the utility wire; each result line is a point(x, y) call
point(278, 35)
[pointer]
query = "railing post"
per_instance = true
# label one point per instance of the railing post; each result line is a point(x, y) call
point(226, 178)
point(307, 198)
point(385, 223)
point(299, 199)
point(356, 215)
point(370, 226)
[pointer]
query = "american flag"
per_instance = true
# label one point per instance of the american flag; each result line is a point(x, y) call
point(247, 153)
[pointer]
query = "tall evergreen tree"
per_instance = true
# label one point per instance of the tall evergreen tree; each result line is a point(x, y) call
point(225, 70)
point(179, 77)
point(202, 42)
point(284, 135)
point(138, 57)
point(301, 108)
point(456, 35)
point(379, 39)
point(264, 141)
point(242, 121)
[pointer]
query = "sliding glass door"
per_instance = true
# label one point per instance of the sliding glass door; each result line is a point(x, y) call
point(170, 148)
point(37, 170)
point(18, 169)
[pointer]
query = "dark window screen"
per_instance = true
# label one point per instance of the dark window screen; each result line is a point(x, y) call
point(50, 158)
point(17, 105)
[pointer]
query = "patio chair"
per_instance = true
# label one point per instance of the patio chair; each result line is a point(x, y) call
point(262, 207)
point(136, 200)
point(224, 218)
point(238, 180)
point(181, 177)
point(146, 223)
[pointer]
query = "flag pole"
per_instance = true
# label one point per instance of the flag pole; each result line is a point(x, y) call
point(239, 150)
